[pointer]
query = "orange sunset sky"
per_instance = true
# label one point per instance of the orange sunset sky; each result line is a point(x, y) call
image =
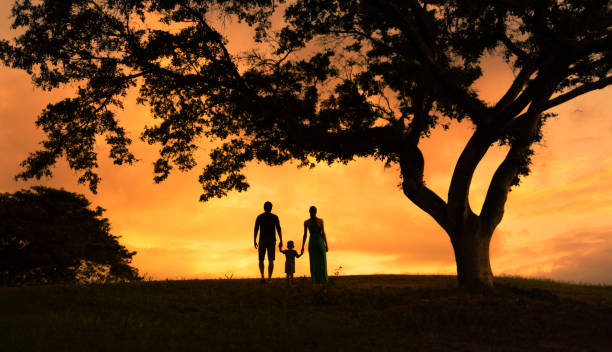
point(557, 224)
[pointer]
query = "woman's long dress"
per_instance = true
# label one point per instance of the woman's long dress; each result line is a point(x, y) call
point(317, 254)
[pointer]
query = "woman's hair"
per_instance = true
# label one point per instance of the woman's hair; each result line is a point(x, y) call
point(312, 210)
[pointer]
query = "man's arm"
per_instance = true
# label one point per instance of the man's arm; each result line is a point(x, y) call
point(255, 232)
point(280, 233)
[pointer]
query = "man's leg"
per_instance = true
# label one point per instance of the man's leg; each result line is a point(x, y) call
point(271, 256)
point(261, 251)
point(270, 268)
point(261, 268)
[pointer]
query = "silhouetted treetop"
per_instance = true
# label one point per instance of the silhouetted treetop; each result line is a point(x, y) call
point(405, 58)
point(52, 236)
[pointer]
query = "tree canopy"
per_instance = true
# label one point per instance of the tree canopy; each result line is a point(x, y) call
point(342, 79)
point(51, 236)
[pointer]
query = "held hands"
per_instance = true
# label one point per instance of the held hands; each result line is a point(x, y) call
point(280, 246)
point(255, 243)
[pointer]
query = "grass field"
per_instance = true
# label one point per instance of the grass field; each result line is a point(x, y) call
point(355, 313)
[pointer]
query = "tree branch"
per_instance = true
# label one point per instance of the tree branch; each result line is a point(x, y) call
point(585, 88)
point(413, 185)
point(458, 192)
point(516, 161)
point(512, 47)
point(226, 55)
point(419, 118)
point(533, 90)
point(587, 48)
point(365, 36)
point(560, 99)
point(515, 89)
point(493, 208)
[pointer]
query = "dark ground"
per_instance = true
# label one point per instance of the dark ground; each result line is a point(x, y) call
point(356, 313)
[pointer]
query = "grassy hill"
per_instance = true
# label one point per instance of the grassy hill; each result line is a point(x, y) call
point(356, 313)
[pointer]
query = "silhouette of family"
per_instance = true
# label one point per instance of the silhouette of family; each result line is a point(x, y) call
point(267, 225)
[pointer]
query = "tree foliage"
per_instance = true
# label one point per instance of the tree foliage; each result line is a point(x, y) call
point(342, 79)
point(51, 236)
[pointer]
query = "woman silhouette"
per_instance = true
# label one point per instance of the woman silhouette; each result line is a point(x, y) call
point(317, 247)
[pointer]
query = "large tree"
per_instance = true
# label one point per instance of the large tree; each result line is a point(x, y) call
point(343, 79)
point(52, 236)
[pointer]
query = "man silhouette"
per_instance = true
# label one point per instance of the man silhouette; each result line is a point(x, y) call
point(267, 224)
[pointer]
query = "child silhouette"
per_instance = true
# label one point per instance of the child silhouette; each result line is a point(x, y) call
point(290, 255)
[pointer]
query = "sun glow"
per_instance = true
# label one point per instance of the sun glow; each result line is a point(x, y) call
point(557, 224)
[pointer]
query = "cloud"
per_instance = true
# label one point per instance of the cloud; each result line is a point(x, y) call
point(586, 192)
point(578, 255)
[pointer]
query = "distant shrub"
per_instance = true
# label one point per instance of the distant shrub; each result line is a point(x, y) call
point(337, 271)
point(52, 236)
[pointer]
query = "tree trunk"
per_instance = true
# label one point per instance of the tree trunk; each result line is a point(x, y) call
point(472, 256)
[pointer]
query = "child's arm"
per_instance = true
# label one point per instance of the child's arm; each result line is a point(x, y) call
point(299, 254)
